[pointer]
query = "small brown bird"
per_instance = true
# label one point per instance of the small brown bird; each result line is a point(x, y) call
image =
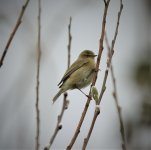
point(79, 74)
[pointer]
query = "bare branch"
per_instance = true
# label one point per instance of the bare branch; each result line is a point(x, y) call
point(77, 131)
point(65, 101)
point(69, 42)
point(105, 2)
point(105, 79)
point(119, 110)
point(115, 35)
point(37, 143)
point(96, 113)
point(59, 125)
point(19, 20)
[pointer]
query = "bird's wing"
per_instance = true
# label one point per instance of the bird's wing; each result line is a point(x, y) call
point(75, 66)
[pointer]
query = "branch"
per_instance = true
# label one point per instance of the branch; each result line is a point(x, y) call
point(69, 42)
point(37, 144)
point(97, 110)
point(96, 113)
point(65, 101)
point(19, 20)
point(77, 131)
point(122, 131)
point(59, 125)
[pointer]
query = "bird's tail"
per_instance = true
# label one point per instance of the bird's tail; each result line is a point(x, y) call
point(57, 95)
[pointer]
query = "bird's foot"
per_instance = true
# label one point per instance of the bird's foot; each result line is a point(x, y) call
point(88, 96)
point(97, 70)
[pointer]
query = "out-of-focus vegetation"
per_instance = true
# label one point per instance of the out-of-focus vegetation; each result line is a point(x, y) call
point(139, 130)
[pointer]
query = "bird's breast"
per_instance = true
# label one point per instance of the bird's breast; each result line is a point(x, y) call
point(80, 78)
point(83, 76)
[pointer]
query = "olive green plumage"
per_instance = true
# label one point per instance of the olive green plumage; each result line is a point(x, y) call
point(79, 74)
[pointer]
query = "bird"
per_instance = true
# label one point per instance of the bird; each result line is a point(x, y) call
point(79, 75)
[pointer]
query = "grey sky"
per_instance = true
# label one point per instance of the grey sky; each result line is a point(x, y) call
point(17, 76)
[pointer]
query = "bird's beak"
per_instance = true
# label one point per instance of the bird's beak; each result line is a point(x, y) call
point(95, 55)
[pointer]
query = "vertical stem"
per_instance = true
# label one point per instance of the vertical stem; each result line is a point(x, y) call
point(77, 131)
point(59, 125)
point(37, 144)
point(96, 113)
point(122, 131)
point(65, 101)
point(69, 42)
point(109, 59)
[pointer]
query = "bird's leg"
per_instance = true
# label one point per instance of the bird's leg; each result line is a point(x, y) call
point(88, 96)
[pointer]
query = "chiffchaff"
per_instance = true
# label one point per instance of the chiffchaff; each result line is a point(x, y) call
point(79, 74)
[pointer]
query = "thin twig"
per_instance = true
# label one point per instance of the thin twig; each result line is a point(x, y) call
point(77, 131)
point(97, 109)
point(59, 125)
point(69, 42)
point(37, 143)
point(96, 113)
point(19, 20)
point(65, 101)
point(119, 110)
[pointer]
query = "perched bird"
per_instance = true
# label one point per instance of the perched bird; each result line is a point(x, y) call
point(79, 74)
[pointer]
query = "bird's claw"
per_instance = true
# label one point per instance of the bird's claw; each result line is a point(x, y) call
point(89, 97)
point(96, 70)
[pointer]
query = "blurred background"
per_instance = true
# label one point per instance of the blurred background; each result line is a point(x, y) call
point(131, 62)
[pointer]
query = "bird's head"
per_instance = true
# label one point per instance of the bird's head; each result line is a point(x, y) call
point(87, 54)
